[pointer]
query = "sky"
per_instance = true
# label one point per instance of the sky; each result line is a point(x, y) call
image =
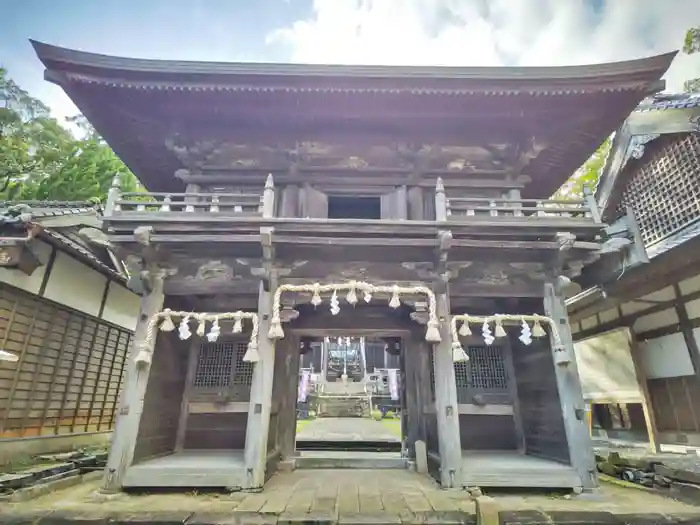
point(387, 32)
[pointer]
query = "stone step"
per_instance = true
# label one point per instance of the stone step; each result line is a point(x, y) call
point(350, 460)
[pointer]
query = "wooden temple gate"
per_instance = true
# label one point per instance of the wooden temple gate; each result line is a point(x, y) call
point(512, 392)
point(307, 187)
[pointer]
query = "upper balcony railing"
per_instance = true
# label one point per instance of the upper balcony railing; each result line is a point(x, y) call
point(230, 204)
point(466, 209)
point(462, 210)
point(243, 204)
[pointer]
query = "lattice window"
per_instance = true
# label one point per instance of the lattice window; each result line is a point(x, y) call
point(244, 370)
point(485, 370)
point(215, 365)
point(664, 191)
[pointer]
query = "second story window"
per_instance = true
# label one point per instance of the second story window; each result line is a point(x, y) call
point(351, 207)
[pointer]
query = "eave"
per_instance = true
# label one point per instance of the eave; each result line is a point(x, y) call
point(150, 99)
point(548, 79)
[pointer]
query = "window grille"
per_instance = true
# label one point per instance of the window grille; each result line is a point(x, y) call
point(221, 365)
point(664, 191)
point(244, 369)
point(485, 370)
point(215, 365)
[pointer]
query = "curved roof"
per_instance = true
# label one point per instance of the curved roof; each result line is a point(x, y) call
point(654, 117)
point(121, 68)
point(137, 105)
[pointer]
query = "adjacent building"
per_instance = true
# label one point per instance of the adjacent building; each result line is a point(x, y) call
point(66, 322)
point(637, 321)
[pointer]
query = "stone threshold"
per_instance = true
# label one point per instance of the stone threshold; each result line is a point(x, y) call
point(484, 516)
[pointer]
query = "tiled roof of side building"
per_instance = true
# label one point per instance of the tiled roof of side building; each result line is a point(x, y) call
point(65, 234)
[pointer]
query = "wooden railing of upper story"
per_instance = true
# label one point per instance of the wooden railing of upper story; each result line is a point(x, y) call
point(464, 209)
point(234, 204)
point(461, 209)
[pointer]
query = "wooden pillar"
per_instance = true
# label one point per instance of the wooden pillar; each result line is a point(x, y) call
point(289, 386)
point(128, 418)
point(570, 396)
point(647, 408)
point(414, 409)
point(446, 405)
point(258, 423)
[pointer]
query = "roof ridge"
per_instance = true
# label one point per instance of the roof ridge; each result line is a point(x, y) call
point(59, 58)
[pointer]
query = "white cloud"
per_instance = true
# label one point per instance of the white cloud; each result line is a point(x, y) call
point(493, 32)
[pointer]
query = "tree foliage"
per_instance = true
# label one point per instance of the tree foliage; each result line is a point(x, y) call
point(586, 176)
point(42, 160)
point(692, 45)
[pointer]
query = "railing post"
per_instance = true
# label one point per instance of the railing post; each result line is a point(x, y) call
point(165, 206)
point(441, 204)
point(189, 199)
point(592, 204)
point(214, 206)
point(268, 204)
point(514, 195)
point(493, 211)
point(540, 213)
point(113, 196)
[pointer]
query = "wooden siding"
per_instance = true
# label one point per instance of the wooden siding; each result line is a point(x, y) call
point(540, 410)
point(487, 432)
point(163, 400)
point(676, 403)
point(70, 368)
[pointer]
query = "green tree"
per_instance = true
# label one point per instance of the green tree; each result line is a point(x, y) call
point(42, 160)
point(692, 45)
point(586, 176)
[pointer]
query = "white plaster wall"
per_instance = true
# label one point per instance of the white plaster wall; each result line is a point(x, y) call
point(633, 307)
point(29, 283)
point(693, 308)
point(75, 285)
point(607, 316)
point(666, 356)
point(665, 294)
point(690, 285)
point(121, 307)
point(606, 368)
point(660, 319)
point(589, 322)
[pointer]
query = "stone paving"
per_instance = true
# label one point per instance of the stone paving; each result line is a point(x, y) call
point(349, 429)
point(332, 496)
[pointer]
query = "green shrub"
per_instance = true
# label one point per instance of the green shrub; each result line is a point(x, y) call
point(376, 415)
point(389, 414)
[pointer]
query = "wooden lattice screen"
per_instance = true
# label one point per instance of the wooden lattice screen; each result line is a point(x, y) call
point(221, 368)
point(484, 373)
point(664, 190)
point(69, 372)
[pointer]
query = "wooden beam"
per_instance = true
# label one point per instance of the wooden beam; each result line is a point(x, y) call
point(128, 418)
point(571, 400)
